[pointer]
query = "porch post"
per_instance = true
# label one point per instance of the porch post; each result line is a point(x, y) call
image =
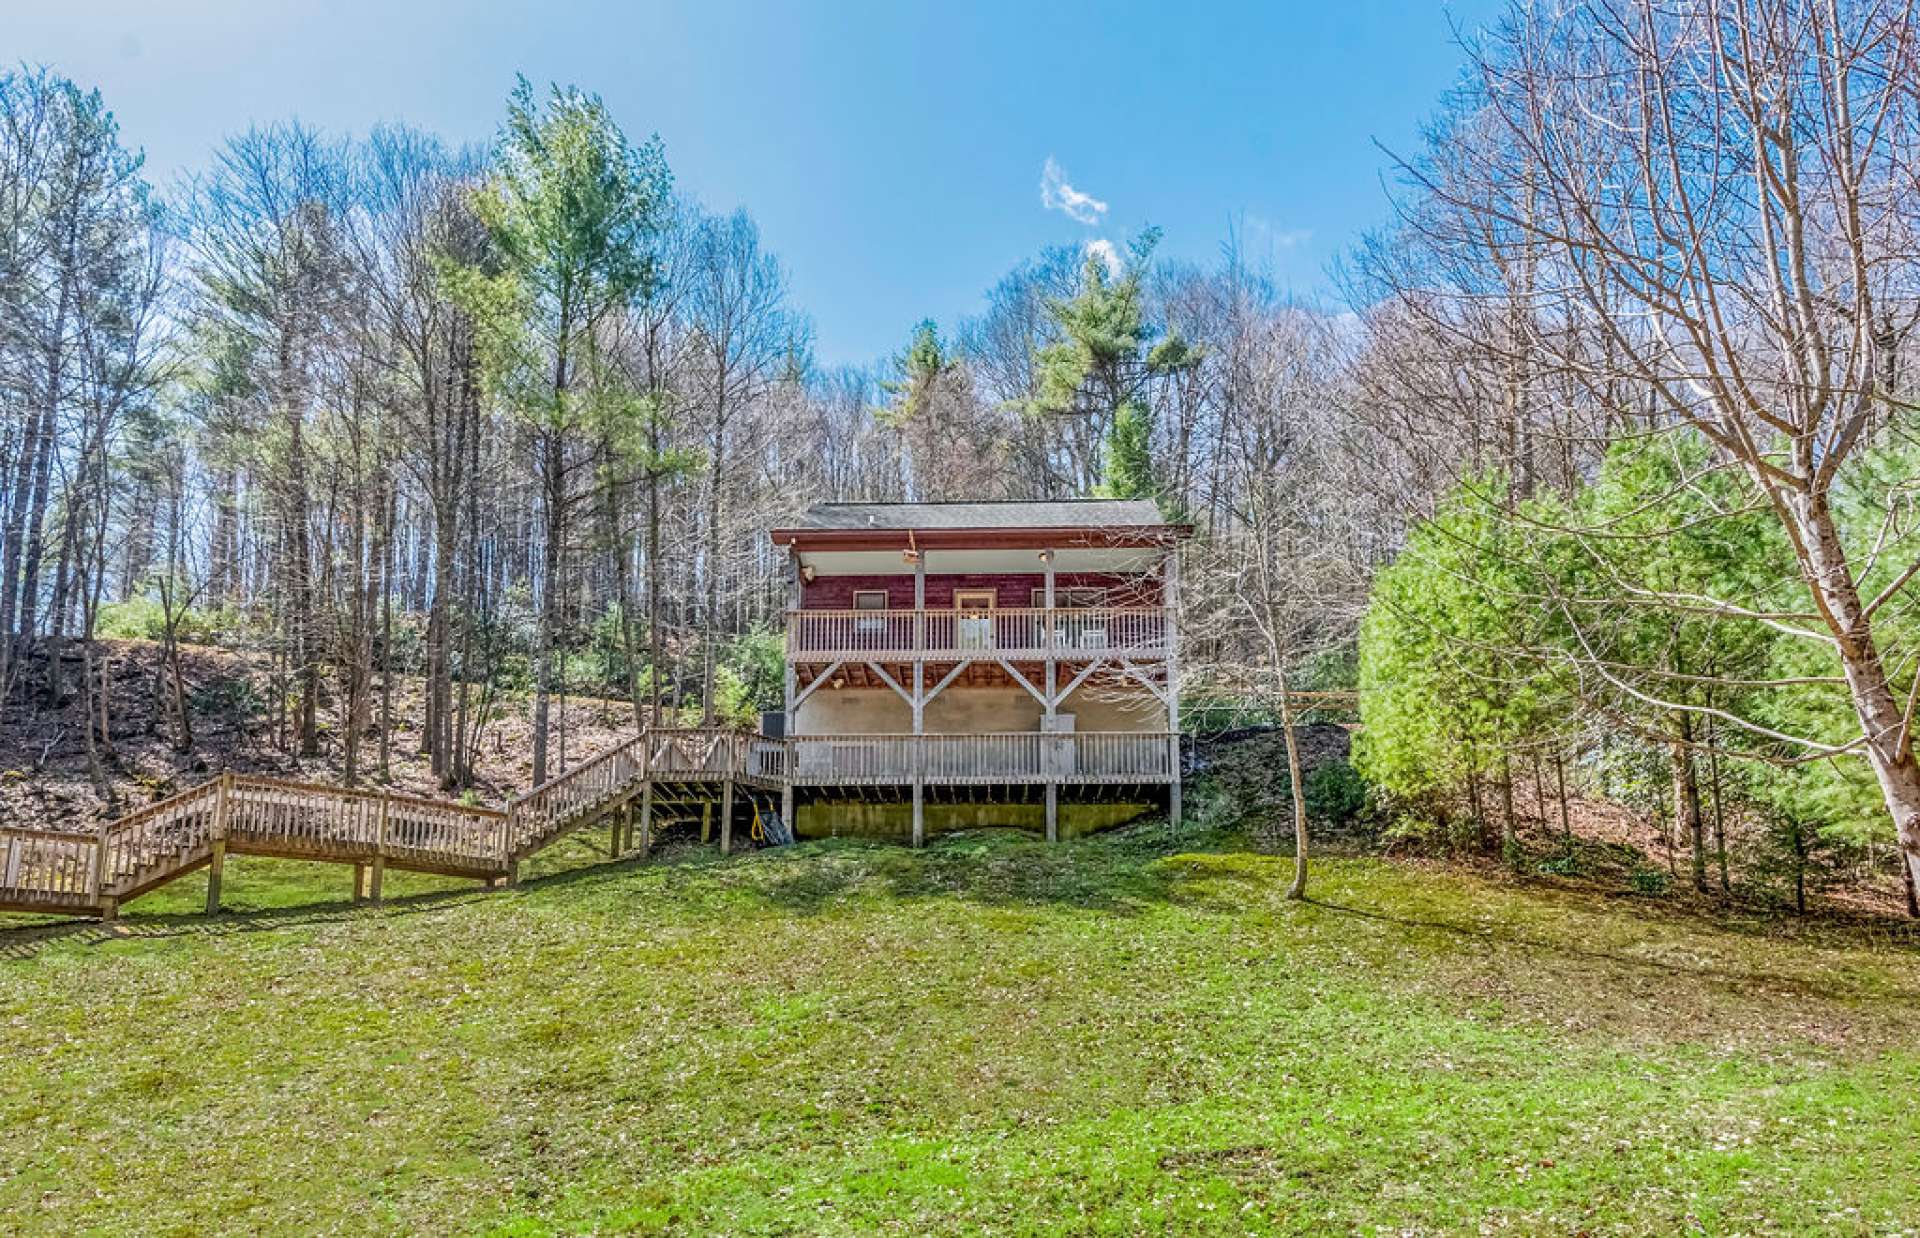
point(795, 595)
point(919, 697)
point(1049, 745)
point(793, 684)
point(1172, 606)
point(726, 817)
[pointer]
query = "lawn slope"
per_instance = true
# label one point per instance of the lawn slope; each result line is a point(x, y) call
point(1130, 1033)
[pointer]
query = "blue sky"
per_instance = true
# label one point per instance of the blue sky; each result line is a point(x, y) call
point(893, 153)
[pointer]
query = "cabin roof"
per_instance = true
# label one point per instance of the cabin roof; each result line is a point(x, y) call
point(1013, 514)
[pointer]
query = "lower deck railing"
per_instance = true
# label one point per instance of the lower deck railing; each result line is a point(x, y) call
point(1004, 757)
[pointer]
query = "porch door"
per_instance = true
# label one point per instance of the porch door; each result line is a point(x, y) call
point(973, 618)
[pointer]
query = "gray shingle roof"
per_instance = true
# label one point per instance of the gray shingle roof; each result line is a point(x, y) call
point(1055, 514)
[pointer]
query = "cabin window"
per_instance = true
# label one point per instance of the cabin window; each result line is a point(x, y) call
point(1070, 599)
point(870, 599)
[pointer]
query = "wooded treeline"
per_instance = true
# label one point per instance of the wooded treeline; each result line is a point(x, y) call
point(517, 421)
point(1624, 395)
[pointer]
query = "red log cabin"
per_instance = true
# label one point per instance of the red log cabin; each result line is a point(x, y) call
point(964, 664)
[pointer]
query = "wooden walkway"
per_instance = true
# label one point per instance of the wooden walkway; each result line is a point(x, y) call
point(91, 874)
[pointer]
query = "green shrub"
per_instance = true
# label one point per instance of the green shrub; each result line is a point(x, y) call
point(1566, 864)
point(143, 618)
point(1336, 794)
point(758, 661)
point(1432, 833)
point(1649, 881)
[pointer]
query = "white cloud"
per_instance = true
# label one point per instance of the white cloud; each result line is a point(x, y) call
point(1057, 195)
point(1271, 236)
point(1103, 249)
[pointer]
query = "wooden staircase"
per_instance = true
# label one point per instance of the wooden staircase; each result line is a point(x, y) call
point(91, 874)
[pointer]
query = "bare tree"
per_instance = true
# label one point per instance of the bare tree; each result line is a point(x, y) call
point(741, 332)
point(1717, 205)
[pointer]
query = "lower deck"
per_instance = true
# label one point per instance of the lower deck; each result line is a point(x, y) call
point(1020, 758)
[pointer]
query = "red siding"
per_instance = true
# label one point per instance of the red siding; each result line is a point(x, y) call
point(1012, 589)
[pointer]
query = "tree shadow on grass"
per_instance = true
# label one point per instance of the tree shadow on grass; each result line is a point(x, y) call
point(1768, 981)
point(29, 940)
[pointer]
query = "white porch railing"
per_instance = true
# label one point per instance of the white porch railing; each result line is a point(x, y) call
point(1024, 632)
point(1004, 757)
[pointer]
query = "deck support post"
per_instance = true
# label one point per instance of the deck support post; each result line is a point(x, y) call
point(109, 910)
point(379, 851)
point(726, 816)
point(786, 805)
point(215, 864)
point(513, 874)
point(1172, 606)
point(646, 815)
point(706, 820)
point(1049, 746)
point(359, 882)
point(920, 697)
point(100, 864)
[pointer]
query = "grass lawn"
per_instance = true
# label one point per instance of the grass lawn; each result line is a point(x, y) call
point(1129, 1033)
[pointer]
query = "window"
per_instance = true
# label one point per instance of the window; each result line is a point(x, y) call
point(1070, 599)
point(870, 599)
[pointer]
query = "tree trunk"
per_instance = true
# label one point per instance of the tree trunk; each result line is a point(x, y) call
point(1686, 799)
point(1560, 778)
point(1509, 837)
point(1298, 888)
point(710, 616)
point(1887, 728)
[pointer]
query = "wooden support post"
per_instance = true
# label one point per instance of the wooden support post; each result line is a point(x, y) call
point(379, 851)
point(513, 873)
point(796, 599)
point(706, 820)
point(100, 865)
point(726, 817)
point(109, 909)
point(1050, 746)
point(786, 807)
point(217, 861)
point(920, 699)
point(1172, 602)
point(646, 816)
point(215, 865)
point(359, 882)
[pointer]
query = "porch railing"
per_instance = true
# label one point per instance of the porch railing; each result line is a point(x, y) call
point(1017, 632)
point(1003, 757)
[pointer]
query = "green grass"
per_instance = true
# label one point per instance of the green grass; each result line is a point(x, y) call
point(1133, 1033)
